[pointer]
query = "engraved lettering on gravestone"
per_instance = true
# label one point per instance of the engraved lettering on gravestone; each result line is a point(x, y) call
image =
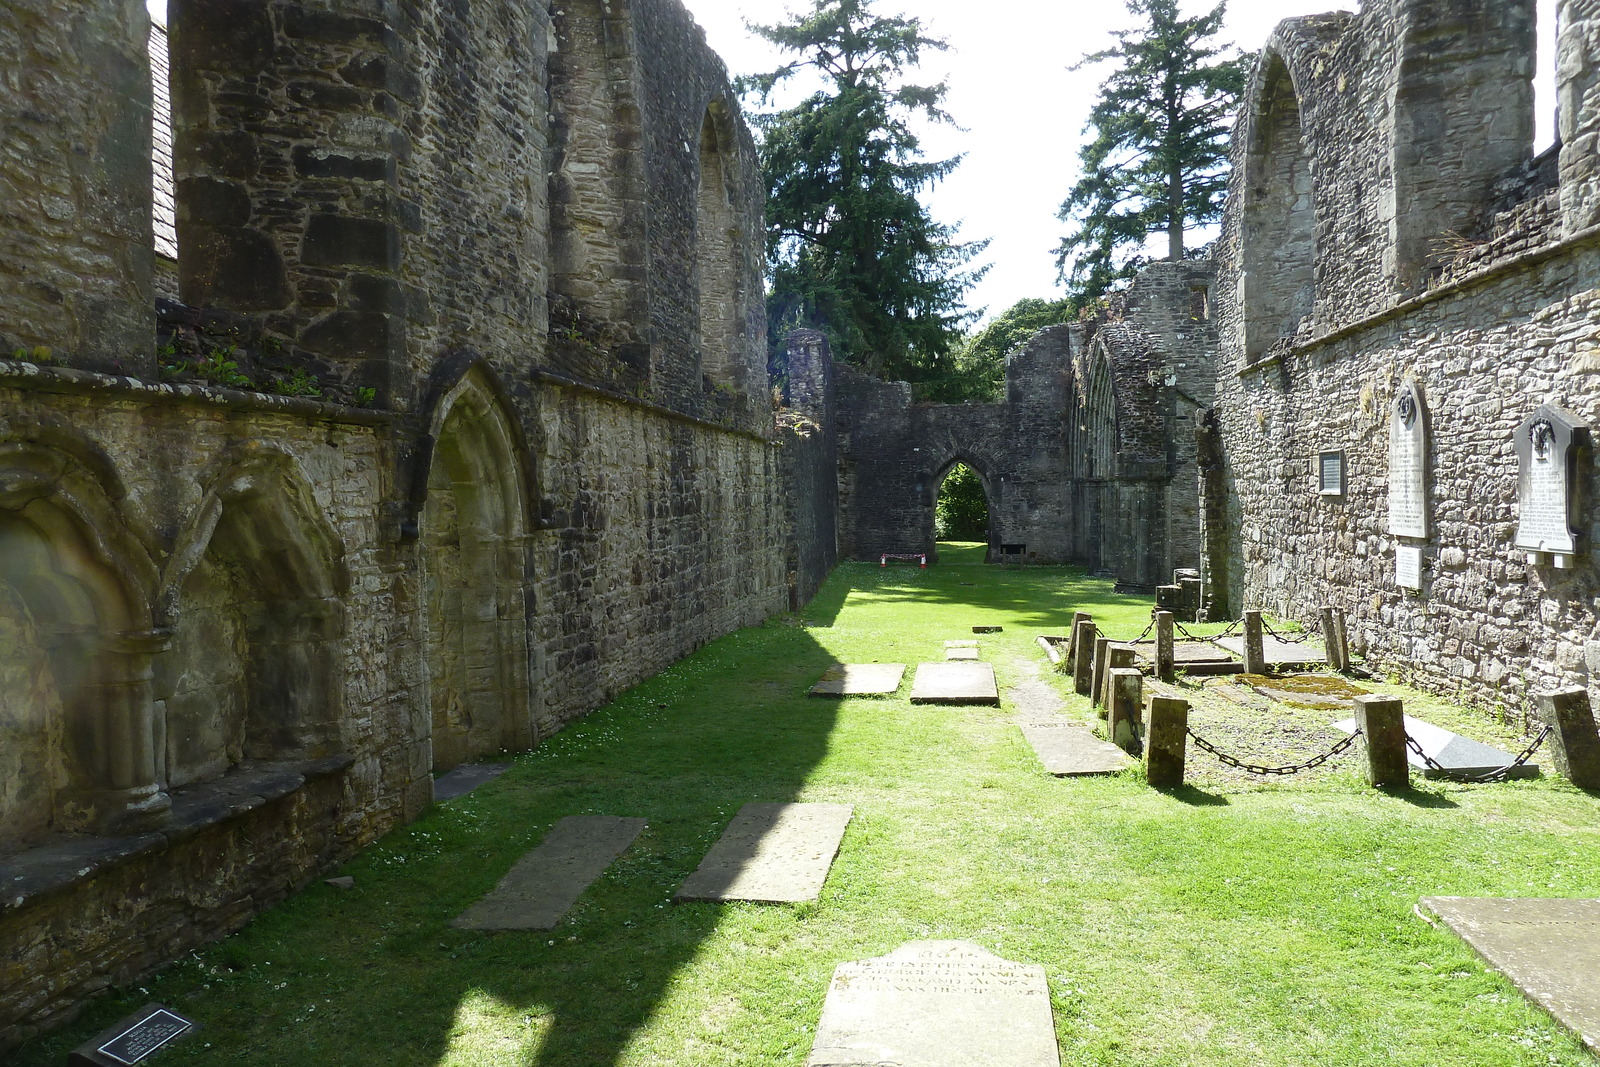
point(1408, 454)
point(1548, 444)
point(1331, 471)
point(1408, 566)
point(144, 1037)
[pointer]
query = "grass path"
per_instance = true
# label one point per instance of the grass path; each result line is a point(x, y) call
point(1230, 924)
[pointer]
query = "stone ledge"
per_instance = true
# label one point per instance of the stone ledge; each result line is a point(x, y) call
point(1483, 276)
point(64, 862)
point(549, 377)
point(69, 380)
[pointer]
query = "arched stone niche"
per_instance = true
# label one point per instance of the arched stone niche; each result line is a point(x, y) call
point(75, 731)
point(717, 241)
point(254, 595)
point(1278, 237)
point(473, 531)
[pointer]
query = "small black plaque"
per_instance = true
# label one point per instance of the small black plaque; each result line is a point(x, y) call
point(133, 1039)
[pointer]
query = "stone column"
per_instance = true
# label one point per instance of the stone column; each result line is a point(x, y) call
point(1382, 723)
point(1166, 661)
point(1126, 707)
point(1574, 743)
point(1255, 660)
point(126, 795)
point(1083, 639)
point(1343, 638)
point(1330, 639)
point(1166, 742)
point(1101, 646)
point(1578, 112)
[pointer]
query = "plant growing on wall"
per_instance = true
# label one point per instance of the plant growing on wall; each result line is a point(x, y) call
point(851, 249)
point(1157, 160)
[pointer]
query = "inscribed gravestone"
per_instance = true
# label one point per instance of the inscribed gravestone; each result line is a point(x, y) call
point(954, 683)
point(1408, 566)
point(1547, 446)
point(936, 1004)
point(1408, 456)
point(771, 853)
point(132, 1040)
point(859, 679)
point(1069, 750)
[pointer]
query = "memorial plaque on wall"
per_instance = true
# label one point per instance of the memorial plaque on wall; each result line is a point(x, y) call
point(1408, 462)
point(1408, 566)
point(1550, 444)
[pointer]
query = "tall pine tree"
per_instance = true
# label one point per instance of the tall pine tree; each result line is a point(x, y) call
point(1158, 158)
point(851, 249)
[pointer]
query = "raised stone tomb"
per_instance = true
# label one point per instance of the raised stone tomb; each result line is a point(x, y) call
point(771, 853)
point(936, 1004)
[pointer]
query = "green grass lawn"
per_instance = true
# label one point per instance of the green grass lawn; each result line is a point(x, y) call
point(1240, 924)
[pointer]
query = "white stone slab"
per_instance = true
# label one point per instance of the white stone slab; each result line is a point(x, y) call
point(1549, 949)
point(1451, 750)
point(1070, 750)
point(936, 1004)
point(1408, 566)
point(1408, 459)
point(954, 683)
point(546, 882)
point(771, 853)
point(964, 655)
point(860, 679)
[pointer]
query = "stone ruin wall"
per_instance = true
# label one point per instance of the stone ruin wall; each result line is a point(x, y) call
point(1089, 460)
point(1384, 173)
point(564, 478)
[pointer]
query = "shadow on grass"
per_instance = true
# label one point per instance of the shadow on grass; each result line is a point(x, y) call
point(1196, 797)
point(1419, 798)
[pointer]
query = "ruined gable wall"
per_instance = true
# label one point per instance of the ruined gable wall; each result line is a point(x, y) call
point(1501, 325)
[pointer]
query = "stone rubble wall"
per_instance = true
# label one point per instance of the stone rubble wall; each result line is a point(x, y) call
point(1501, 321)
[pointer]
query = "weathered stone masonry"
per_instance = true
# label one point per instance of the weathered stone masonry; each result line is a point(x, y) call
point(518, 247)
point(1387, 221)
point(1090, 459)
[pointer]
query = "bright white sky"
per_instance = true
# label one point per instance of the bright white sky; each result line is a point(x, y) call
point(1021, 109)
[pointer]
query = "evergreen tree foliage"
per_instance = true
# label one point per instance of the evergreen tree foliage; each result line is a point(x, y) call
point(980, 361)
point(962, 511)
point(851, 249)
point(1157, 160)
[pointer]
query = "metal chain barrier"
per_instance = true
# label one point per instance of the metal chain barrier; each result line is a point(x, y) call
point(1147, 630)
point(1285, 638)
point(1497, 775)
point(1256, 768)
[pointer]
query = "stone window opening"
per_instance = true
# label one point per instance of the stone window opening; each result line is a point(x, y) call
point(164, 203)
point(716, 269)
point(1094, 426)
point(474, 539)
point(1199, 303)
point(1279, 231)
point(255, 670)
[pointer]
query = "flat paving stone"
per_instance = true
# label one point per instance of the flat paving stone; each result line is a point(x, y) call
point(961, 654)
point(936, 1004)
point(545, 883)
point(1452, 751)
point(771, 853)
point(465, 778)
point(1276, 653)
point(954, 683)
point(1071, 750)
point(1549, 949)
point(860, 679)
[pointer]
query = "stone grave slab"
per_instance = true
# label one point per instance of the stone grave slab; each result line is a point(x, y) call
point(1070, 750)
point(1276, 653)
point(987, 629)
point(954, 683)
point(1549, 949)
point(860, 679)
point(771, 853)
point(465, 778)
point(1312, 690)
point(961, 654)
point(1452, 751)
point(544, 884)
point(936, 1004)
point(961, 644)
